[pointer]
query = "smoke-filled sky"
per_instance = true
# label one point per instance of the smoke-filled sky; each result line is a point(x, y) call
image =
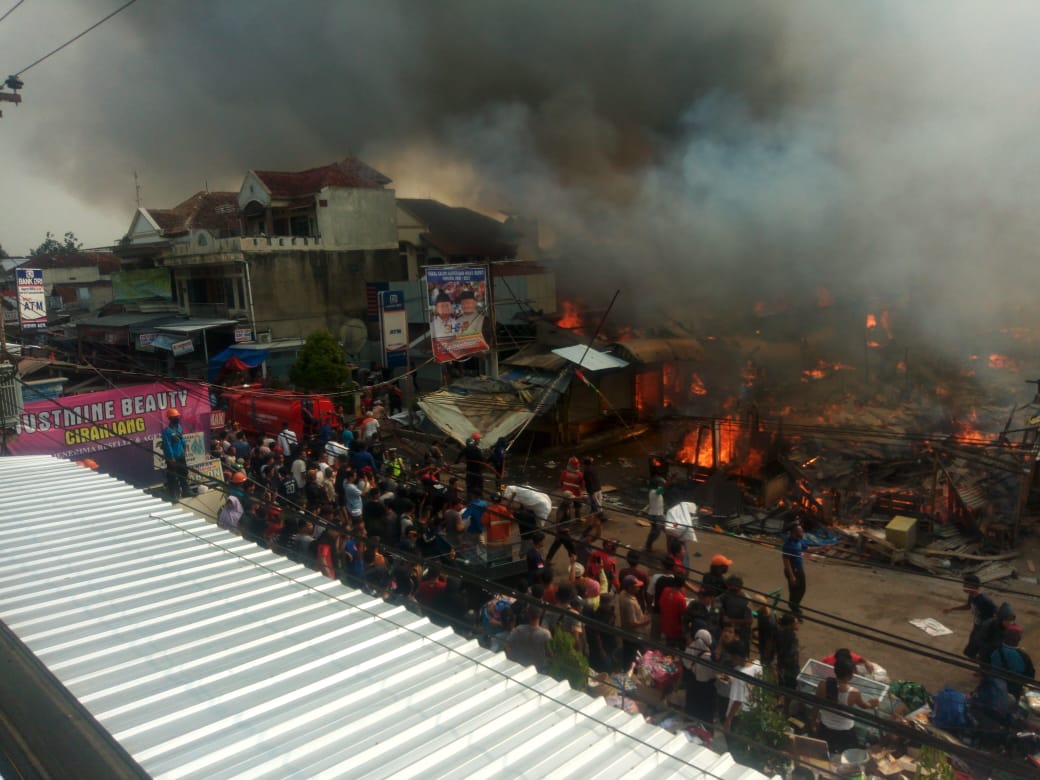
point(675, 148)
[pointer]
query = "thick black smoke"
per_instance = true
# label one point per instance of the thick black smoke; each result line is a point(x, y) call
point(699, 155)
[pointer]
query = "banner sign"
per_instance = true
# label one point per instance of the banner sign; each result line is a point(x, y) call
point(184, 347)
point(32, 302)
point(243, 334)
point(194, 450)
point(146, 341)
point(146, 284)
point(106, 425)
point(460, 324)
point(393, 328)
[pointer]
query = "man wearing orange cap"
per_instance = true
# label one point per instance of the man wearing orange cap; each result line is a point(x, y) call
point(175, 454)
point(715, 577)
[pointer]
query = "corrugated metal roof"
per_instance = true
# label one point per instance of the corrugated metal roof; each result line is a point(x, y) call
point(591, 359)
point(660, 350)
point(207, 656)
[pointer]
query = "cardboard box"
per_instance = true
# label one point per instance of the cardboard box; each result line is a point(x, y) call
point(901, 532)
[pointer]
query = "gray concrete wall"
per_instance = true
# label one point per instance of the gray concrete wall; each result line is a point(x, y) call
point(296, 293)
point(358, 219)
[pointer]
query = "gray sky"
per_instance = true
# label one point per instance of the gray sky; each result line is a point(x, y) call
point(747, 149)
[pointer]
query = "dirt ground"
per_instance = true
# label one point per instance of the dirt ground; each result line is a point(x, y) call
point(881, 600)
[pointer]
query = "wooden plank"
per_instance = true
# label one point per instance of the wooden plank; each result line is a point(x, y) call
point(947, 554)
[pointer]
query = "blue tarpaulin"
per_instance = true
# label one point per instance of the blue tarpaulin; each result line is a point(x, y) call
point(251, 357)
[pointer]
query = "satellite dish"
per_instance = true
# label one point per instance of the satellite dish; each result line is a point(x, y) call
point(353, 334)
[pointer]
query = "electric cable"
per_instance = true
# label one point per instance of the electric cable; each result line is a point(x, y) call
point(11, 10)
point(492, 587)
point(856, 629)
point(867, 560)
point(76, 37)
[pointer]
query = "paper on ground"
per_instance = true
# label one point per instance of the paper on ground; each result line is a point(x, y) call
point(931, 626)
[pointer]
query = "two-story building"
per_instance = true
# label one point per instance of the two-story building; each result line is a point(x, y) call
point(260, 269)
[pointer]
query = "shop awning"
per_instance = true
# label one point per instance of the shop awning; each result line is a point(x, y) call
point(115, 328)
point(250, 358)
point(191, 326)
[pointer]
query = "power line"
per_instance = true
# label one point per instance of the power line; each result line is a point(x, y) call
point(11, 10)
point(492, 587)
point(75, 38)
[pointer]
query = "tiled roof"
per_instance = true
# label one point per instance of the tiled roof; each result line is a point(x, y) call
point(106, 262)
point(348, 172)
point(202, 211)
point(461, 232)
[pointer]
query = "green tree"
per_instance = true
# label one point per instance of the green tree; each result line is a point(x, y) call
point(566, 661)
point(51, 245)
point(320, 365)
point(764, 730)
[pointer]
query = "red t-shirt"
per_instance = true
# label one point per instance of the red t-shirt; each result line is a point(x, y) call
point(673, 604)
point(829, 660)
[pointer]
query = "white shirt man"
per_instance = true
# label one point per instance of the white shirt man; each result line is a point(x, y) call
point(287, 440)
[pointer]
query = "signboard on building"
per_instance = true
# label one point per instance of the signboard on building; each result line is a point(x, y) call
point(243, 334)
point(184, 347)
point(32, 301)
point(110, 426)
point(194, 450)
point(146, 342)
point(460, 306)
point(393, 328)
point(146, 284)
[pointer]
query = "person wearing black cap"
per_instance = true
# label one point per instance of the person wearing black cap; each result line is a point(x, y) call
point(443, 326)
point(471, 321)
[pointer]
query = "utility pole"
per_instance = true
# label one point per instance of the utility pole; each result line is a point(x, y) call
point(137, 190)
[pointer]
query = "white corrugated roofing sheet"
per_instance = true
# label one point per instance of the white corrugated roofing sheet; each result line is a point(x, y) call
point(592, 359)
point(206, 656)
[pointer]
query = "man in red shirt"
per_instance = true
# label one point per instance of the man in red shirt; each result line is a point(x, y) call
point(572, 483)
point(673, 604)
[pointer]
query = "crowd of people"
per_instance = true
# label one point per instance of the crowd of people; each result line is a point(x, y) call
point(355, 509)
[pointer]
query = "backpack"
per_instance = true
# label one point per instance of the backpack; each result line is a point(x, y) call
point(949, 710)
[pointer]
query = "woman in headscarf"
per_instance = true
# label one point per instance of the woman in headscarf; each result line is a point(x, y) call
point(230, 514)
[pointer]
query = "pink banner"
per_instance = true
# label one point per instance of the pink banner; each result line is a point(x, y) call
point(79, 426)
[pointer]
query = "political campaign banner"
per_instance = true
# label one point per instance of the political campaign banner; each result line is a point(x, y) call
point(460, 311)
point(393, 328)
point(115, 428)
point(32, 300)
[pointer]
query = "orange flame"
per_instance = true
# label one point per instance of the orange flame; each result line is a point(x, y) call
point(571, 319)
point(871, 321)
point(697, 386)
point(1003, 361)
point(697, 448)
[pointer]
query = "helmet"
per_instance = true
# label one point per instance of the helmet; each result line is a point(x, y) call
point(238, 477)
point(171, 413)
point(475, 436)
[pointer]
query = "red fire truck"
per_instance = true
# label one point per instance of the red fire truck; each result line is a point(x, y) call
point(263, 410)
